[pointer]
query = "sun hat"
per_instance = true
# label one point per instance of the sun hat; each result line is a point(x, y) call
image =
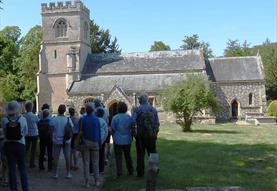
point(13, 107)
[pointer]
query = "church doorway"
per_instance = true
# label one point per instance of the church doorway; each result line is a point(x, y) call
point(112, 111)
point(235, 109)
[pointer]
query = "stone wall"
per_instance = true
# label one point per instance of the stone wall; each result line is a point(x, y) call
point(239, 91)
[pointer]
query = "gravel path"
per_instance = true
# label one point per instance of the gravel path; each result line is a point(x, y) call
point(42, 181)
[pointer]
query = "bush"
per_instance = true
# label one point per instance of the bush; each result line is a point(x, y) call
point(272, 108)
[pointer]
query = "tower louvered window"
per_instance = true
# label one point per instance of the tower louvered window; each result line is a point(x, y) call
point(61, 28)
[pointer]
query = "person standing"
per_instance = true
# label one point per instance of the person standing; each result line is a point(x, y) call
point(45, 127)
point(15, 130)
point(147, 124)
point(121, 131)
point(106, 117)
point(104, 133)
point(3, 160)
point(75, 131)
point(60, 124)
point(32, 136)
point(91, 135)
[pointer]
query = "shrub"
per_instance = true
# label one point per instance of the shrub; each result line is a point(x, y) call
point(189, 97)
point(272, 108)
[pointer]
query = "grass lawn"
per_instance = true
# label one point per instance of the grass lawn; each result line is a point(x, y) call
point(212, 155)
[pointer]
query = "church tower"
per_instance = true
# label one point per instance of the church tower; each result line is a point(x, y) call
point(65, 47)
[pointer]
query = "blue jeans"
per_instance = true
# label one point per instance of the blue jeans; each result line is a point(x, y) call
point(16, 156)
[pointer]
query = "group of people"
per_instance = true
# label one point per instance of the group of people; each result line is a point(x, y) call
point(85, 135)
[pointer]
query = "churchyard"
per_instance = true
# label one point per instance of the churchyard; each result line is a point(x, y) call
point(221, 155)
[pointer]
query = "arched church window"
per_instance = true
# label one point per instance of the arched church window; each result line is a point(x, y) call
point(55, 54)
point(61, 28)
point(250, 99)
point(86, 30)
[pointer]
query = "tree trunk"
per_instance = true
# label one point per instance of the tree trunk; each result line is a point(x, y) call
point(187, 124)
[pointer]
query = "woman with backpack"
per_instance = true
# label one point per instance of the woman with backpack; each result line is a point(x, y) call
point(15, 129)
point(75, 131)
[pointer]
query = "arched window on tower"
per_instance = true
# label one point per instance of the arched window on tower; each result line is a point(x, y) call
point(60, 28)
point(86, 30)
point(250, 99)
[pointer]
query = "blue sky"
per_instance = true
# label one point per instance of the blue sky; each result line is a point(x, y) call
point(138, 23)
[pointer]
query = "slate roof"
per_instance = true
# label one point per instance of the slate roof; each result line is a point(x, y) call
point(135, 72)
point(129, 83)
point(150, 62)
point(235, 69)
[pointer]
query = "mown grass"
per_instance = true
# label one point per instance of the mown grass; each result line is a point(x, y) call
point(217, 155)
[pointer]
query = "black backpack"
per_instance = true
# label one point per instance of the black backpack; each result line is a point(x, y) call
point(13, 130)
point(44, 129)
point(67, 131)
point(145, 125)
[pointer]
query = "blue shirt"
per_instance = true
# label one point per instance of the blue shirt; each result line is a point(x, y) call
point(32, 121)
point(23, 125)
point(103, 129)
point(91, 128)
point(59, 124)
point(121, 129)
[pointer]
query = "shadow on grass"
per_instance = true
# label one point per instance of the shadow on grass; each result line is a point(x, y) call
point(214, 131)
point(192, 164)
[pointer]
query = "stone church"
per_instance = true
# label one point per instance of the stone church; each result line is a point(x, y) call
point(70, 74)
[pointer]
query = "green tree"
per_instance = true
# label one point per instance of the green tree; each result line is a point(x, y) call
point(192, 42)
point(234, 48)
point(19, 63)
point(9, 47)
point(159, 46)
point(101, 40)
point(10, 88)
point(28, 62)
point(268, 52)
point(188, 98)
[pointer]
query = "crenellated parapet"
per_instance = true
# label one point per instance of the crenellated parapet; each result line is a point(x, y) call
point(69, 6)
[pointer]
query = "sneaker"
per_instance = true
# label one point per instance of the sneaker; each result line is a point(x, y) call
point(69, 175)
point(86, 184)
point(97, 183)
point(55, 176)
